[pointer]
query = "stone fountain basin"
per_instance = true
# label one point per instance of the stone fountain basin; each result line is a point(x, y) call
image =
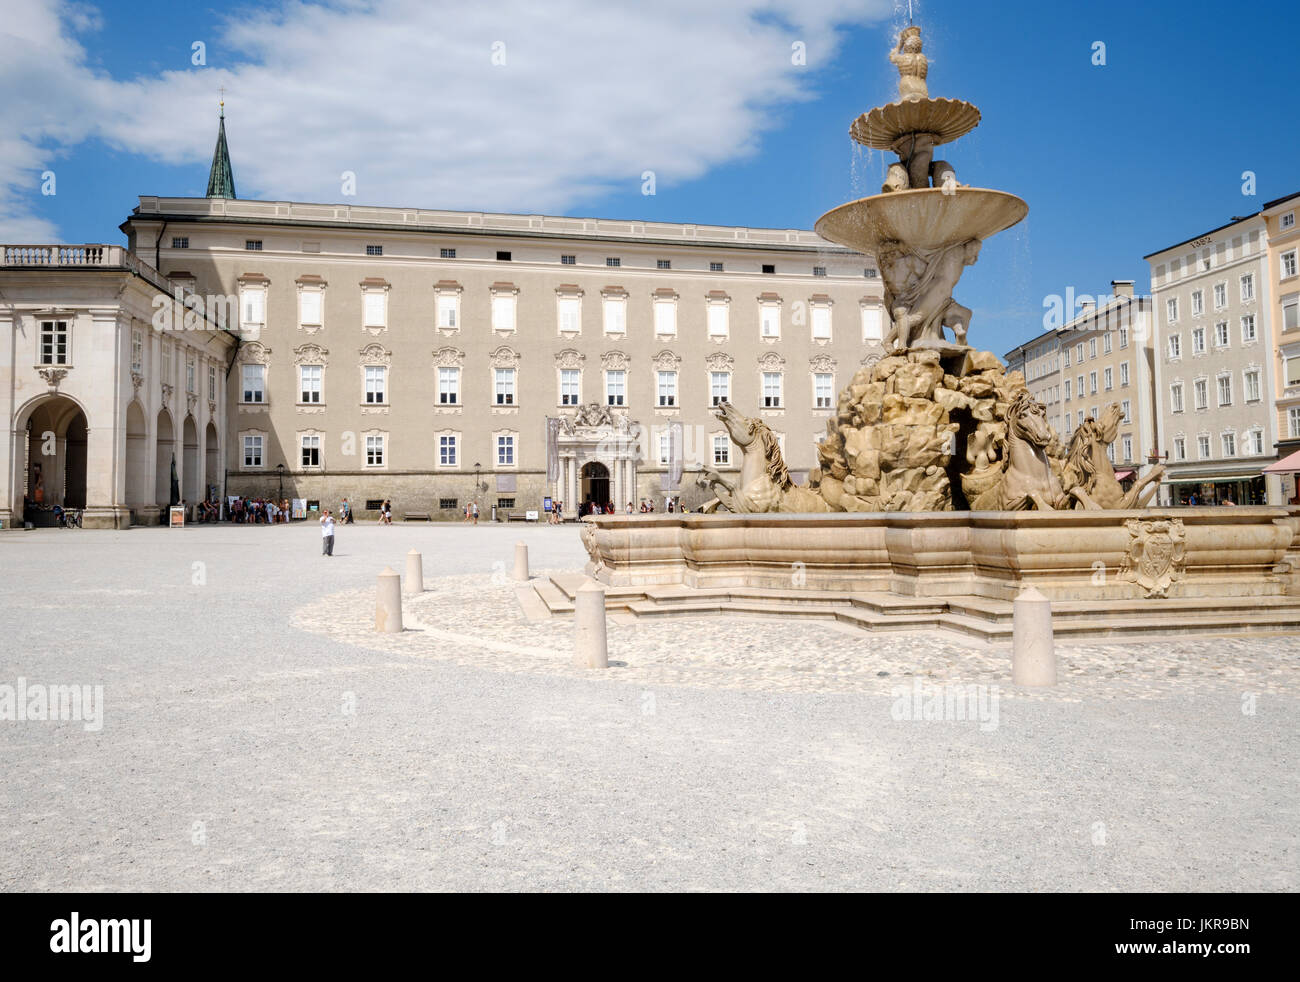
point(1068, 555)
point(926, 218)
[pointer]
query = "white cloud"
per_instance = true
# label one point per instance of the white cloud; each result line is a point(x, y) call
point(405, 94)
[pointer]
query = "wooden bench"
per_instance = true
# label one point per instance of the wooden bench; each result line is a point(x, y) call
point(416, 516)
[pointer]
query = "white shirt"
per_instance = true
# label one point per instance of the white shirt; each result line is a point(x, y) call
point(327, 526)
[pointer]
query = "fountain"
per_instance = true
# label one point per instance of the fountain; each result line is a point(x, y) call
point(941, 491)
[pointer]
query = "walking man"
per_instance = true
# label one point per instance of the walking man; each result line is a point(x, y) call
point(327, 533)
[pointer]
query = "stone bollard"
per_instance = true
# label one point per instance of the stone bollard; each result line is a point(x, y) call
point(521, 561)
point(591, 648)
point(388, 603)
point(414, 573)
point(1033, 651)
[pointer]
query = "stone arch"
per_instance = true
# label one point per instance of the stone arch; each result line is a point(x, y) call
point(52, 462)
point(212, 454)
point(191, 469)
point(138, 492)
point(165, 450)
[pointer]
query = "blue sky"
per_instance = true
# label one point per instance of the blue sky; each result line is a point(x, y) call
point(1115, 161)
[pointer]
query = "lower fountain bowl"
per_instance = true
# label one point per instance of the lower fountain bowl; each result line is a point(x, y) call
point(926, 218)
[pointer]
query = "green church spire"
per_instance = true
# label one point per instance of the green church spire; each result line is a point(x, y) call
point(221, 179)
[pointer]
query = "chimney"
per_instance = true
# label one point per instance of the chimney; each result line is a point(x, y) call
point(1121, 288)
point(1086, 306)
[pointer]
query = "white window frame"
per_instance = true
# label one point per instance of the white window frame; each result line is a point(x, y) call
point(445, 441)
point(616, 387)
point(772, 390)
point(375, 448)
point(823, 389)
point(316, 388)
point(308, 442)
point(821, 311)
point(374, 385)
point(570, 382)
point(666, 389)
point(505, 312)
point(665, 317)
point(251, 444)
point(505, 391)
point(449, 390)
point(873, 324)
point(250, 396)
point(318, 296)
point(373, 297)
point(614, 313)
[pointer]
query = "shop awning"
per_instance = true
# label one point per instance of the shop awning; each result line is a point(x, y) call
point(1213, 478)
point(1121, 475)
point(1287, 465)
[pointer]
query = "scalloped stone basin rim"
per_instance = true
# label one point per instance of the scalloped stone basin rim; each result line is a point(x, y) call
point(925, 218)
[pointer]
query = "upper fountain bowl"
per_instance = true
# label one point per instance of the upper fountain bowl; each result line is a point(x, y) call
point(927, 218)
point(946, 119)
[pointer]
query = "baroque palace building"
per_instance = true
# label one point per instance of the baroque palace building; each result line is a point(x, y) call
point(435, 358)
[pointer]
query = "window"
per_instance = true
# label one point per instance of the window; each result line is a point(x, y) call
point(1198, 303)
point(1198, 340)
point(1225, 390)
point(869, 273)
point(1292, 371)
point(1105, 344)
point(1092, 383)
point(1229, 441)
point(503, 256)
point(769, 268)
point(1123, 374)
point(253, 245)
point(1092, 347)
point(503, 312)
point(1293, 421)
point(769, 320)
point(1126, 407)
point(376, 308)
point(570, 313)
point(1221, 334)
point(1203, 446)
point(771, 390)
point(311, 451)
point(1078, 352)
point(1123, 338)
point(821, 322)
point(309, 308)
point(191, 376)
point(616, 388)
point(872, 324)
point(718, 317)
point(254, 383)
point(448, 504)
point(667, 389)
point(447, 451)
point(1171, 310)
point(1200, 393)
point(166, 362)
point(505, 502)
point(505, 451)
point(252, 451)
point(1128, 449)
point(823, 394)
point(309, 383)
point(663, 264)
point(1180, 448)
point(504, 391)
point(1176, 397)
point(570, 386)
point(448, 310)
point(1290, 315)
point(374, 250)
point(715, 267)
point(1287, 221)
point(446, 253)
point(137, 350)
point(1248, 328)
point(615, 315)
point(1255, 442)
point(1110, 452)
point(1248, 287)
point(1066, 361)
point(721, 450)
point(212, 383)
point(1107, 377)
point(1175, 346)
point(252, 308)
point(1288, 264)
point(665, 318)
point(180, 241)
point(1078, 386)
point(375, 379)
point(1251, 378)
point(819, 271)
point(1220, 295)
point(613, 261)
point(719, 387)
point(1067, 390)
point(569, 260)
point(448, 386)
point(375, 451)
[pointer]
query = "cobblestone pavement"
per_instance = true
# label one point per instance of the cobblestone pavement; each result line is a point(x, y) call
point(257, 735)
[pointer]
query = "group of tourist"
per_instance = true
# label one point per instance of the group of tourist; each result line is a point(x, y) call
point(471, 512)
point(258, 511)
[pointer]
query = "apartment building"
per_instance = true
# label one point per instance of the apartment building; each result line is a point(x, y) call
point(1283, 287)
point(1039, 361)
point(1214, 368)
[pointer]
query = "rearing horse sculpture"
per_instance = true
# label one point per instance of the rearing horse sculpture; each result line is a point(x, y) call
point(1089, 471)
point(764, 483)
point(1028, 480)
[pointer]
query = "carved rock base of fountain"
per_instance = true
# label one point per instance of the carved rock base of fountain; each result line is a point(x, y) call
point(908, 425)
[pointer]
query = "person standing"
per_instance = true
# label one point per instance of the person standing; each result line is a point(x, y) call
point(327, 533)
point(474, 511)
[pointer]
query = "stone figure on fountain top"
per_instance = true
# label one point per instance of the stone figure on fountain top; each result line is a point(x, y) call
point(912, 66)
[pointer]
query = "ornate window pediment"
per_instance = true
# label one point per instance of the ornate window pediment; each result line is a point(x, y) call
point(254, 353)
point(375, 354)
point(822, 363)
point(570, 358)
point(310, 354)
point(771, 361)
point(505, 357)
point(614, 361)
point(720, 361)
point(448, 358)
point(666, 361)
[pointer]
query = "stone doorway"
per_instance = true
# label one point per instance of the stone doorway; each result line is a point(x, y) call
point(595, 483)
